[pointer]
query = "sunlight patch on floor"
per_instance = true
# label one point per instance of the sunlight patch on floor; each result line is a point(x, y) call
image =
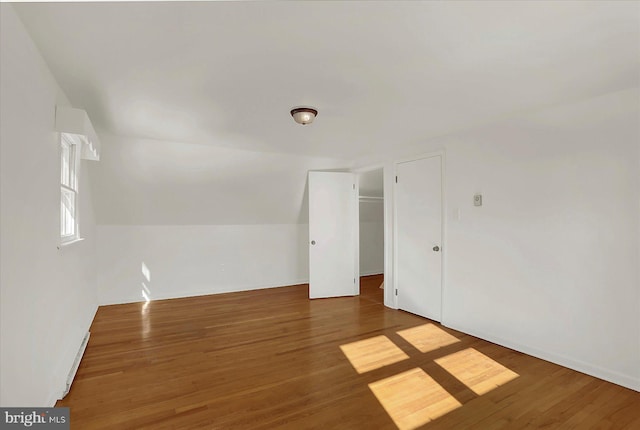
point(475, 370)
point(427, 337)
point(413, 398)
point(374, 353)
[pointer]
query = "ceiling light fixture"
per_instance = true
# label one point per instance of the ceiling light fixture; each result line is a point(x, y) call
point(304, 115)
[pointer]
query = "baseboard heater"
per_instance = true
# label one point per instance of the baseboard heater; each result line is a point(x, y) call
point(76, 364)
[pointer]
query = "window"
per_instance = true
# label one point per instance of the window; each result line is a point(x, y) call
point(69, 162)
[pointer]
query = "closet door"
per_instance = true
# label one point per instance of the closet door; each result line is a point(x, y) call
point(418, 199)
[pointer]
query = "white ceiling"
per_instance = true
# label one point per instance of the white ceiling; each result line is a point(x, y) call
point(382, 74)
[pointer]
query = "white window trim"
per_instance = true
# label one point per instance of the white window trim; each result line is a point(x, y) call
point(77, 143)
point(62, 245)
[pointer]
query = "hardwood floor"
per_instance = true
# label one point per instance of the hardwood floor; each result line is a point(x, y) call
point(272, 359)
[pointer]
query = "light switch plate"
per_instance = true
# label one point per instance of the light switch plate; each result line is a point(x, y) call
point(477, 200)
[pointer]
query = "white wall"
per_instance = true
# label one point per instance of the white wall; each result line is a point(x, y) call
point(204, 219)
point(549, 261)
point(48, 296)
point(199, 259)
point(549, 264)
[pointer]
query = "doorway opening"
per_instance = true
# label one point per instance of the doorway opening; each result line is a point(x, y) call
point(371, 224)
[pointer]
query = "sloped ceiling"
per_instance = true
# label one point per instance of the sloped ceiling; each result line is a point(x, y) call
point(381, 73)
point(186, 88)
point(150, 182)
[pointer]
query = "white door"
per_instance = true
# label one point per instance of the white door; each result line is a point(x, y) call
point(418, 200)
point(333, 234)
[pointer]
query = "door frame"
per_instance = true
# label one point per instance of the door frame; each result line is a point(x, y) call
point(358, 171)
point(443, 225)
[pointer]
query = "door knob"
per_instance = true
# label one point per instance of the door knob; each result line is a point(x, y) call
point(436, 248)
point(313, 242)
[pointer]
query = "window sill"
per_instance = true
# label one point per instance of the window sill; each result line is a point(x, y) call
point(70, 242)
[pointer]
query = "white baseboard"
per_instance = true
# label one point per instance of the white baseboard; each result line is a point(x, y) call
point(200, 292)
point(578, 365)
point(60, 385)
point(371, 273)
point(206, 292)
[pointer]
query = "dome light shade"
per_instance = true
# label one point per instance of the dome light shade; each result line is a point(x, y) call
point(304, 115)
